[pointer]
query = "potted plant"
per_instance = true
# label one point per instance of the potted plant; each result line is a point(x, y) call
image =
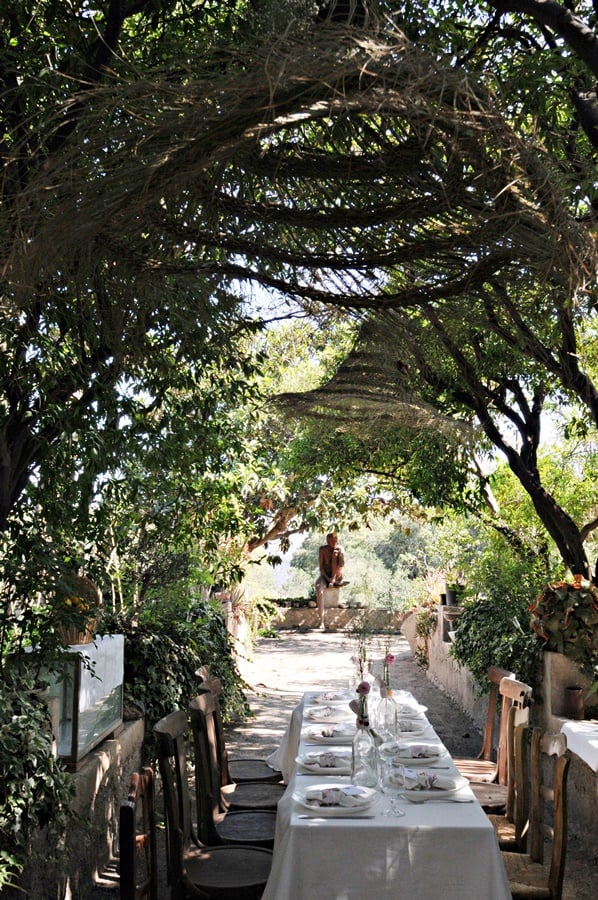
point(77, 608)
point(564, 617)
point(454, 592)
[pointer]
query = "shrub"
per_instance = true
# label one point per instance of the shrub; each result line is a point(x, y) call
point(162, 653)
point(425, 624)
point(35, 791)
point(493, 633)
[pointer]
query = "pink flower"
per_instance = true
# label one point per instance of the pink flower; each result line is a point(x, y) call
point(389, 659)
point(363, 687)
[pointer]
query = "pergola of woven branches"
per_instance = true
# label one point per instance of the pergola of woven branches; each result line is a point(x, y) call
point(338, 168)
point(315, 169)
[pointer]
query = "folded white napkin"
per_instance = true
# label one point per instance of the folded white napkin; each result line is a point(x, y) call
point(329, 760)
point(418, 751)
point(332, 731)
point(349, 796)
point(331, 696)
point(428, 781)
point(327, 712)
point(415, 725)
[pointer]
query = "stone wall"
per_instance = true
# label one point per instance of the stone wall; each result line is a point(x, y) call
point(559, 672)
point(338, 618)
point(102, 782)
point(455, 680)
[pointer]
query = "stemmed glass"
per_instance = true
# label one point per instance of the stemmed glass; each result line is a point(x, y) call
point(392, 777)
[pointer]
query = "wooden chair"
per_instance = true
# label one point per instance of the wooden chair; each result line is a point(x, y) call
point(213, 828)
point(138, 881)
point(239, 769)
point(248, 794)
point(488, 773)
point(512, 827)
point(527, 874)
point(497, 796)
point(195, 871)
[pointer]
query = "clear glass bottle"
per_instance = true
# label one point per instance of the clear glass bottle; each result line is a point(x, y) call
point(374, 697)
point(364, 759)
point(387, 717)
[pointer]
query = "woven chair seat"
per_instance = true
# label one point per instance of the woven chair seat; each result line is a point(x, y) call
point(251, 795)
point(247, 769)
point(491, 797)
point(246, 827)
point(526, 878)
point(237, 875)
point(477, 770)
point(505, 832)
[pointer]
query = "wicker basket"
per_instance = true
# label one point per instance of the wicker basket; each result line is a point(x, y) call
point(80, 586)
point(76, 636)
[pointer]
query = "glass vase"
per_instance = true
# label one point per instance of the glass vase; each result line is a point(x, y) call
point(364, 755)
point(387, 715)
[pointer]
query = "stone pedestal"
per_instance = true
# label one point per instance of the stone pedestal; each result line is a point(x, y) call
point(330, 597)
point(560, 673)
point(450, 618)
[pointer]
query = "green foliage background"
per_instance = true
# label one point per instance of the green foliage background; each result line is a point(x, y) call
point(164, 648)
point(138, 431)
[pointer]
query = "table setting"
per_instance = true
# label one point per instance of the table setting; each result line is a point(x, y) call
point(336, 799)
point(404, 836)
point(325, 763)
point(328, 714)
point(420, 753)
point(329, 698)
point(341, 733)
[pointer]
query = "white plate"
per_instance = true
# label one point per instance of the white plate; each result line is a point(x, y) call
point(423, 794)
point(418, 762)
point(341, 734)
point(308, 763)
point(411, 710)
point(369, 795)
point(414, 728)
point(331, 698)
point(328, 714)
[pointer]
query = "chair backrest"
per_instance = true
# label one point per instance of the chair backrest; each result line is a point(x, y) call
point(209, 682)
point(517, 694)
point(137, 839)
point(495, 675)
point(171, 747)
point(517, 806)
point(207, 775)
point(549, 792)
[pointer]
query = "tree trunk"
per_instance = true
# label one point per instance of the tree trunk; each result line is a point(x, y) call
point(558, 523)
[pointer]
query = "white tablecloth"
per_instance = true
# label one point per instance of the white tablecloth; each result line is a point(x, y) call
point(437, 851)
point(283, 759)
point(582, 739)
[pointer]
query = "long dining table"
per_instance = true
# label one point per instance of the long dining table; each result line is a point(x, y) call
point(439, 848)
